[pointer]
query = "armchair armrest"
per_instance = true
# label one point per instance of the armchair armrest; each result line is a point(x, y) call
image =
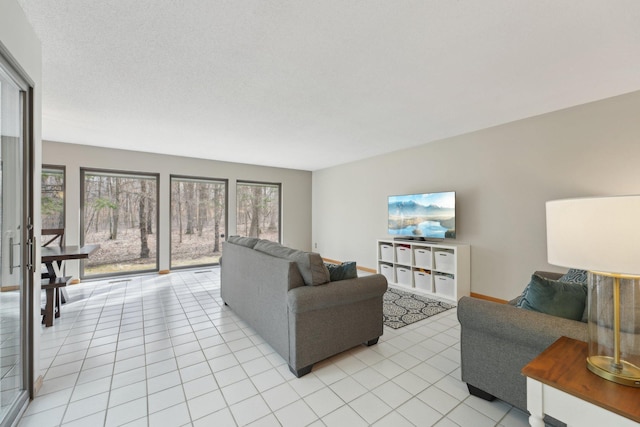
point(332, 294)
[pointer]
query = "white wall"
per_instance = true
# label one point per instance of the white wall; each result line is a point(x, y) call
point(296, 188)
point(502, 177)
point(19, 42)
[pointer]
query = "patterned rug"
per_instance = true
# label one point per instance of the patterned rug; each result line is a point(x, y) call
point(401, 308)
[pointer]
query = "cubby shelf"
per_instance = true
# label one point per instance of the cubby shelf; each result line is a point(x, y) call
point(438, 269)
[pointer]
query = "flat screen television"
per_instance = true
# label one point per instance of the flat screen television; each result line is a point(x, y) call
point(423, 216)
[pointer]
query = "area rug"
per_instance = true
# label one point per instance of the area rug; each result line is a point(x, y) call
point(401, 308)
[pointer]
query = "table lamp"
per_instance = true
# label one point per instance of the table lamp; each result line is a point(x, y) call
point(602, 235)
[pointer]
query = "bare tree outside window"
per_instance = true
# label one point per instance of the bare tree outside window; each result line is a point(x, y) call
point(198, 220)
point(119, 212)
point(52, 197)
point(258, 213)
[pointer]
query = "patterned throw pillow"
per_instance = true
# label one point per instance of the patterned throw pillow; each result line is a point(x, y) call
point(574, 276)
point(344, 271)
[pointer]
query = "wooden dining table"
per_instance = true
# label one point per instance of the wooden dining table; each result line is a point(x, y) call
point(53, 257)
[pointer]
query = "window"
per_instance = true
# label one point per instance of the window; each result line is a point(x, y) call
point(258, 213)
point(119, 212)
point(198, 220)
point(52, 196)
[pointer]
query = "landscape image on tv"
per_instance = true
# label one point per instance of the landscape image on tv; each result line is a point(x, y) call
point(429, 215)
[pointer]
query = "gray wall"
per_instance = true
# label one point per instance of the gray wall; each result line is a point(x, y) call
point(296, 187)
point(502, 176)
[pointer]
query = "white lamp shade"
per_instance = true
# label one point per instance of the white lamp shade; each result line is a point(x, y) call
point(596, 234)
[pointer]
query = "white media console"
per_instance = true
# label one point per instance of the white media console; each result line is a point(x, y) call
point(437, 269)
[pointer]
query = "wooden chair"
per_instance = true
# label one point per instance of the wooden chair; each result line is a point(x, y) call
point(56, 233)
point(52, 307)
point(52, 234)
point(52, 284)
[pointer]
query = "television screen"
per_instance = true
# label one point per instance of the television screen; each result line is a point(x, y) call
point(428, 216)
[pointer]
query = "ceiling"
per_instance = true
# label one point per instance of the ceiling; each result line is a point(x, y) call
point(309, 84)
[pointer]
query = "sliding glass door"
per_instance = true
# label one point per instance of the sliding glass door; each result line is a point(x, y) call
point(14, 319)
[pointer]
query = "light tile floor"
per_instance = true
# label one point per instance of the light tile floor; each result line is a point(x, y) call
point(164, 351)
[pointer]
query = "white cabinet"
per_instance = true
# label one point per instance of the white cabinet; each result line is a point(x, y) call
point(438, 269)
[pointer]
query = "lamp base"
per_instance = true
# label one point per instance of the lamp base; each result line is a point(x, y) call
point(626, 373)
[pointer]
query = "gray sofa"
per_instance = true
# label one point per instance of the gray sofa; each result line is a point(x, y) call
point(498, 340)
point(283, 294)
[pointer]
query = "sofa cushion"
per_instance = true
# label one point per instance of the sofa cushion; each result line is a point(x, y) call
point(554, 297)
point(274, 249)
point(344, 271)
point(310, 264)
point(248, 242)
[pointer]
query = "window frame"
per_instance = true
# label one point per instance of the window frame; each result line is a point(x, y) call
point(224, 181)
point(64, 189)
point(262, 183)
point(122, 173)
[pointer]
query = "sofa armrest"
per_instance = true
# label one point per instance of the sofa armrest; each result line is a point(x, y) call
point(332, 294)
point(517, 325)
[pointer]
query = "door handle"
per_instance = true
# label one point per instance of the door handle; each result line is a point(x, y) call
point(11, 245)
point(30, 252)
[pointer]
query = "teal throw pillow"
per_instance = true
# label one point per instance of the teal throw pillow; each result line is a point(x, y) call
point(574, 276)
point(344, 271)
point(554, 297)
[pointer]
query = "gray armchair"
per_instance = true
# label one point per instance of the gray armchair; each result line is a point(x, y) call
point(498, 340)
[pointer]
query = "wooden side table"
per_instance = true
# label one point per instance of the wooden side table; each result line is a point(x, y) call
point(559, 385)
